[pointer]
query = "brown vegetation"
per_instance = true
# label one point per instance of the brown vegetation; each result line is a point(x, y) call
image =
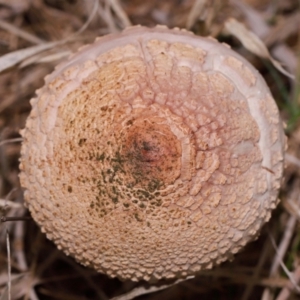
point(35, 35)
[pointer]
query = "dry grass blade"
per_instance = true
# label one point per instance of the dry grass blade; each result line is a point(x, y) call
point(258, 268)
point(288, 232)
point(196, 11)
point(284, 29)
point(16, 5)
point(262, 29)
point(100, 294)
point(21, 33)
point(13, 58)
point(142, 290)
point(44, 58)
point(39, 270)
point(292, 207)
point(292, 159)
point(106, 14)
point(16, 140)
point(59, 295)
point(90, 18)
point(10, 204)
point(19, 287)
point(253, 43)
point(286, 238)
point(117, 8)
point(240, 277)
point(283, 266)
point(286, 292)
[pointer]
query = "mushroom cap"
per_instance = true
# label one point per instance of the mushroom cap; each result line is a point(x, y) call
point(152, 153)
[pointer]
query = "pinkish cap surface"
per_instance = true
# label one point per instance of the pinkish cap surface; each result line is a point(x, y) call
point(152, 154)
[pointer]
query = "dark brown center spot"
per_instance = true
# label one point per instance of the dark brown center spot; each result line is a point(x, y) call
point(152, 152)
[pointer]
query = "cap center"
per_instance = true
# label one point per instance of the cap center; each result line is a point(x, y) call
point(152, 152)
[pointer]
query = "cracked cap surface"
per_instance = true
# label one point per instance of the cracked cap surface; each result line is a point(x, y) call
point(152, 154)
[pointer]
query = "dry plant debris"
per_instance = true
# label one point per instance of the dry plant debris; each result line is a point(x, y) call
point(38, 270)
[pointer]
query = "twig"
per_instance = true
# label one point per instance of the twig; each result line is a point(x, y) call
point(8, 219)
point(285, 242)
point(8, 265)
point(13, 212)
point(19, 245)
point(20, 255)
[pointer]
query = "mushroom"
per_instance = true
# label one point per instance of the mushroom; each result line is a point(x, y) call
point(152, 153)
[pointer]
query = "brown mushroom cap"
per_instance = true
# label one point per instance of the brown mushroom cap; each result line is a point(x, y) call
point(152, 154)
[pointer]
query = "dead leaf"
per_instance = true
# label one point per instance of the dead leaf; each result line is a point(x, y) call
point(253, 43)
